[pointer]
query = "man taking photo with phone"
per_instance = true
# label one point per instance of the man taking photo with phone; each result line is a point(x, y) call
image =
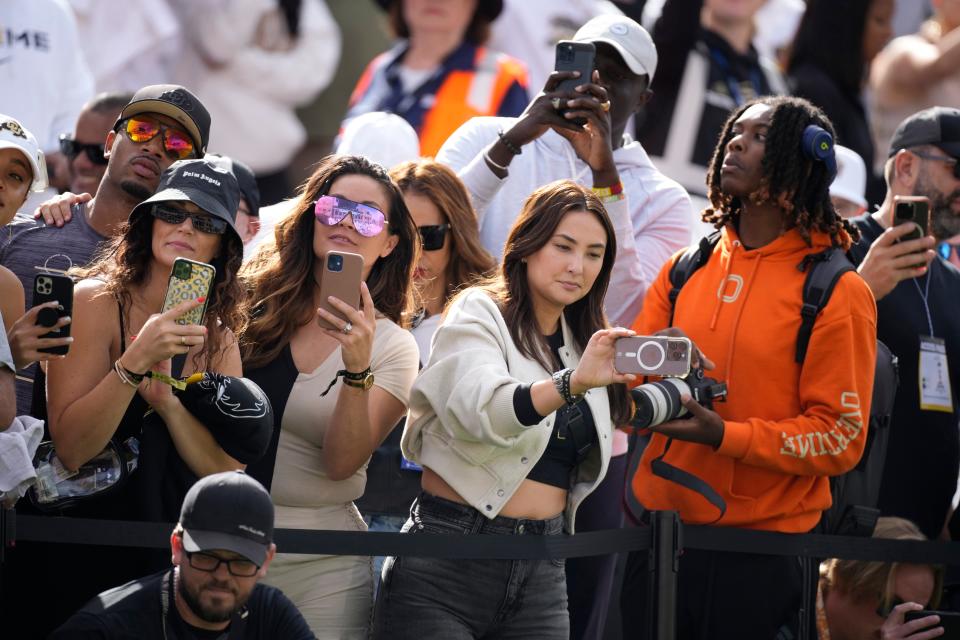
point(918, 317)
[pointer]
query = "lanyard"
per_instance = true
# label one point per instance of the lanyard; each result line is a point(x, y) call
point(733, 85)
point(924, 293)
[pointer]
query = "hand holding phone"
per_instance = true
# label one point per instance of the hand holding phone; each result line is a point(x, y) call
point(47, 288)
point(340, 278)
point(915, 209)
point(575, 56)
point(654, 355)
point(189, 280)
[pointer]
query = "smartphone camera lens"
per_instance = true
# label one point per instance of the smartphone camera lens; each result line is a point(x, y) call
point(335, 263)
point(182, 271)
point(904, 212)
point(44, 285)
point(566, 54)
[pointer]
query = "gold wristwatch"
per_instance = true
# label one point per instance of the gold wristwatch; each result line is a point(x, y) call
point(362, 380)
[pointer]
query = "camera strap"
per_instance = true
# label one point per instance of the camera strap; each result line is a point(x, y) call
point(663, 469)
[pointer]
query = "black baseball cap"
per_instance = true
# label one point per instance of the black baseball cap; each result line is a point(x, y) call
point(202, 182)
point(176, 102)
point(229, 511)
point(245, 178)
point(937, 126)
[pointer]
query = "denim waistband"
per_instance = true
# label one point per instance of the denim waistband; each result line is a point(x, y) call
point(468, 520)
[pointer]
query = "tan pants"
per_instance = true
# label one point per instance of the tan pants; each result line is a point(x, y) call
point(334, 593)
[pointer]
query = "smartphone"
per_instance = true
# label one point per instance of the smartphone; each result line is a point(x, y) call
point(949, 620)
point(653, 356)
point(341, 276)
point(575, 56)
point(46, 288)
point(915, 209)
point(189, 280)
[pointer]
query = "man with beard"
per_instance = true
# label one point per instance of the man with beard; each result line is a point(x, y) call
point(221, 547)
point(160, 125)
point(918, 317)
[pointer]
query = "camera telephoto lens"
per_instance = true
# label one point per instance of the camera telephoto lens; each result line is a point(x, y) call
point(658, 402)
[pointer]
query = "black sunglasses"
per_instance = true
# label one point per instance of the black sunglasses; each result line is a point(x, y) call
point(71, 148)
point(240, 567)
point(433, 235)
point(954, 162)
point(202, 222)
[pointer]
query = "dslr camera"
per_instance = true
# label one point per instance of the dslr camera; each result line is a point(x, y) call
point(659, 402)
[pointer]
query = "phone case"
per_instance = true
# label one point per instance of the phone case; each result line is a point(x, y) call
point(342, 282)
point(949, 620)
point(912, 209)
point(189, 280)
point(653, 356)
point(46, 288)
point(575, 56)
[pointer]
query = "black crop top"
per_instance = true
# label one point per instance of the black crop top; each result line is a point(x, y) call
point(574, 433)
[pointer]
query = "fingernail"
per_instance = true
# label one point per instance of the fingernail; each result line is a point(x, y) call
point(132, 338)
point(201, 299)
point(67, 319)
point(69, 338)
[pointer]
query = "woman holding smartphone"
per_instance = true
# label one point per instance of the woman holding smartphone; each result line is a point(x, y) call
point(338, 381)
point(512, 421)
point(102, 390)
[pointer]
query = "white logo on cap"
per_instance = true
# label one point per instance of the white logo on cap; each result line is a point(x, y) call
point(251, 530)
point(619, 29)
point(194, 174)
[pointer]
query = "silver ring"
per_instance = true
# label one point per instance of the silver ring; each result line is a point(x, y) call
point(556, 103)
point(347, 328)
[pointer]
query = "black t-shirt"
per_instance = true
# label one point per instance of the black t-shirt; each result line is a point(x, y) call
point(134, 611)
point(923, 453)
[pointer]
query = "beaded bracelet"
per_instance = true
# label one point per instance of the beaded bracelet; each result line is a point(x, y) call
point(561, 380)
point(512, 148)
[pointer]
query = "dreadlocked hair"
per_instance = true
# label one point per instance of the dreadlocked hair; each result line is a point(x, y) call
point(799, 185)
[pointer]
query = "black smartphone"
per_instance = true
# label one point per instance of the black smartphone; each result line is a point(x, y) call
point(949, 620)
point(46, 288)
point(575, 56)
point(915, 209)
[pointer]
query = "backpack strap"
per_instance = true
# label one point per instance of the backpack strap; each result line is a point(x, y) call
point(825, 270)
point(687, 264)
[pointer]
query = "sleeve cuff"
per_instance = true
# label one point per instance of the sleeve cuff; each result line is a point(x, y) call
point(736, 439)
point(523, 406)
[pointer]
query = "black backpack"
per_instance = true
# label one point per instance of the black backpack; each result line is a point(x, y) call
point(855, 493)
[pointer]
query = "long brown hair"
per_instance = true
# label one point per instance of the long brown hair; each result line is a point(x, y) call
point(534, 227)
point(280, 278)
point(124, 263)
point(469, 261)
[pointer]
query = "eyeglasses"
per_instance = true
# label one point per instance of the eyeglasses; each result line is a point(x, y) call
point(951, 161)
point(240, 567)
point(368, 221)
point(945, 249)
point(71, 148)
point(203, 222)
point(433, 235)
point(176, 143)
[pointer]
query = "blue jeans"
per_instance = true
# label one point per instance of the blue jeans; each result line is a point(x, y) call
point(458, 599)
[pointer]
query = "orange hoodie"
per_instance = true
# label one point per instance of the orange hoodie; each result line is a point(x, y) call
point(787, 427)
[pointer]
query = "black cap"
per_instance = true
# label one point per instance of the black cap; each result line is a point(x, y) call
point(202, 182)
point(176, 102)
point(937, 126)
point(245, 178)
point(229, 511)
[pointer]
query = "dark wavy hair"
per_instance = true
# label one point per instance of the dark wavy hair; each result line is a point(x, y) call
point(477, 33)
point(798, 184)
point(124, 263)
point(280, 278)
point(539, 218)
point(469, 261)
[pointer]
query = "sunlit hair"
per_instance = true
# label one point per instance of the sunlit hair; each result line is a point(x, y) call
point(867, 581)
point(799, 185)
point(469, 261)
point(124, 263)
point(280, 277)
point(537, 223)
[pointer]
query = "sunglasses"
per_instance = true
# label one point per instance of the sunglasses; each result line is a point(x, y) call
point(331, 210)
point(240, 567)
point(945, 249)
point(178, 144)
point(433, 235)
point(955, 162)
point(202, 222)
point(71, 148)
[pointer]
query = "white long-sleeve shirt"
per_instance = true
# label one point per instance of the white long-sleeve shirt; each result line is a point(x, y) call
point(652, 223)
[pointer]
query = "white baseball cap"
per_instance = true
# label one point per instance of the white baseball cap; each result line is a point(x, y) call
point(384, 138)
point(14, 136)
point(630, 40)
point(851, 181)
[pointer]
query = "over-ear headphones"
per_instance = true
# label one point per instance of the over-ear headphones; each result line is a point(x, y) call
point(817, 144)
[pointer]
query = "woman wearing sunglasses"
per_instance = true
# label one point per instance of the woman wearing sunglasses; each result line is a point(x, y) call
point(100, 393)
point(512, 421)
point(336, 393)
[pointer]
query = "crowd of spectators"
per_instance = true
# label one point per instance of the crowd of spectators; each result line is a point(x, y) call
point(424, 335)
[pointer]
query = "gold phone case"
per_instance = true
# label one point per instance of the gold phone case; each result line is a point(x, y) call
point(189, 280)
